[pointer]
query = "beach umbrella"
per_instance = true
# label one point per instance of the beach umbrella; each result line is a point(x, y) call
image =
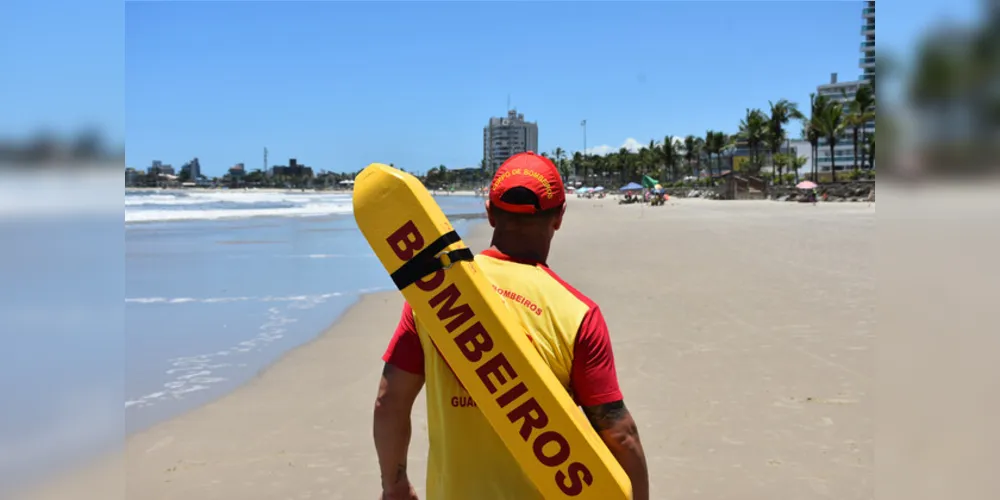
point(657, 187)
point(598, 189)
point(806, 185)
point(632, 186)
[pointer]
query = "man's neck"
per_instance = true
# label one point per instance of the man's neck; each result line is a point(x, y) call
point(534, 252)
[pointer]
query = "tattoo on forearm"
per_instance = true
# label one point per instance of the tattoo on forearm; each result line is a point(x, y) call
point(605, 416)
point(400, 475)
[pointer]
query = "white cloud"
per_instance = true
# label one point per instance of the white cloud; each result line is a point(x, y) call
point(630, 144)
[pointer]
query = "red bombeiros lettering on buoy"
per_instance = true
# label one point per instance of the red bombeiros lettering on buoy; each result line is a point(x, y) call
point(493, 370)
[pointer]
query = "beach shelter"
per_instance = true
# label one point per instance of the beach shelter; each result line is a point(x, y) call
point(632, 186)
point(598, 189)
point(649, 182)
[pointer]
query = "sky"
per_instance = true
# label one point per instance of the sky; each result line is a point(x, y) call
point(338, 85)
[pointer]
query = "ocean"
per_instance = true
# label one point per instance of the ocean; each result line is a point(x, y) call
point(217, 285)
point(220, 284)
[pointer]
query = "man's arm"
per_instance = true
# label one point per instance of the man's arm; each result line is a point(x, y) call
point(594, 382)
point(396, 393)
point(402, 379)
point(617, 429)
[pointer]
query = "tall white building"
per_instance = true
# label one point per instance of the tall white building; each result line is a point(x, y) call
point(505, 137)
point(844, 92)
point(867, 61)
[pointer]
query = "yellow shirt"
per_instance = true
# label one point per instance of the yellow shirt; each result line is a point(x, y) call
point(467, 460)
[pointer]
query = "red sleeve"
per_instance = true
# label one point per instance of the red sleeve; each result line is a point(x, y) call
point(594, 380)
point(404, 351)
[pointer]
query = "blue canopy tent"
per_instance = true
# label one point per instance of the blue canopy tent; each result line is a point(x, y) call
point(632, 186)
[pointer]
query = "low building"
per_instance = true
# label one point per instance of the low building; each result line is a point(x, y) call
point(740, 154)
point(740, 187)
point(159, 167)
point(237, 171)
point(293, 169)
point(133, 177)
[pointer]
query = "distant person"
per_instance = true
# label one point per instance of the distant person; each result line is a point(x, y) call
point(467, 460)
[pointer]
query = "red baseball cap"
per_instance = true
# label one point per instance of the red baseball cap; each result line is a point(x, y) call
point(533, 172)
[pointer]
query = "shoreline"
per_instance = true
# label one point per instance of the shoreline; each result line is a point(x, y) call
point(478, 236)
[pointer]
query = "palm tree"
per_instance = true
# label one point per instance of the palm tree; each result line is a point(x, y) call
point(796, 162)
point(600, 166)
point(862, 111)
point(811, 129)
point(699, 148)
point(781, 113)
point(724, 143)
point(871, 146)
point(831, 124)
point(558, 154)
point(710, 148)
point(647, 158)
point(577, 162)
point(690, 151)
point(669, 156)
point(623, 164)
point(779, 161)
point(753, 128)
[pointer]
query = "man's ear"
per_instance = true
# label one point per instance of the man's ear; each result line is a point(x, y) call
point(489, 215)
point(559, 219)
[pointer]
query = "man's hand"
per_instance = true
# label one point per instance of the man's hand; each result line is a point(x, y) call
point(400, 493)
point(617, 429)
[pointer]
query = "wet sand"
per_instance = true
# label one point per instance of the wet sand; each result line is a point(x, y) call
point(744, 338)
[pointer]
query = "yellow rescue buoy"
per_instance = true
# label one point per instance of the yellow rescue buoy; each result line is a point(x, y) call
point(482, 341)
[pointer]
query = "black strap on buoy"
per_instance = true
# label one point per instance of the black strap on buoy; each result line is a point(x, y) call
point(431, 260)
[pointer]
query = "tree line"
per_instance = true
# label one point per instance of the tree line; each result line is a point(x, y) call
point(762, 134)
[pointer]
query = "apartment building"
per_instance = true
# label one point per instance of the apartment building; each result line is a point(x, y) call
point(843, 92)
point(843, 158)
point(505, 137)
point(293, 169)
point(867, 61)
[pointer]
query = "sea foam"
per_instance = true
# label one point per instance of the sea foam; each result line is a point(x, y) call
point(155, 206)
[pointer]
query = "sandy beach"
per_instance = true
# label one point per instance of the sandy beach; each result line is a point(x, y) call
point(744, 337)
